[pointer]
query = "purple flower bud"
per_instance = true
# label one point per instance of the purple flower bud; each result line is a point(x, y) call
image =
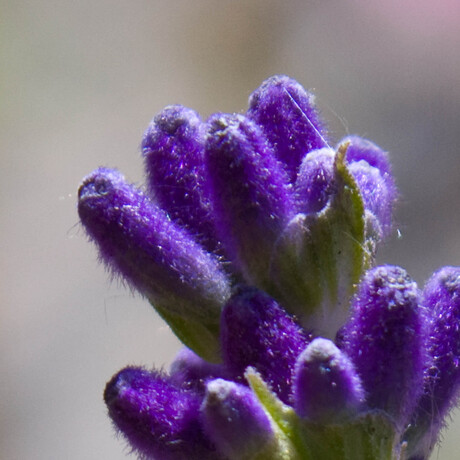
point(378, 198)
point(137, 240)
point(190, 371)
point(289, 118)
point(257, 332)
point(326, 386)
point(158, 419)
point(320, 257)
point(316, 181)
point(363, 149)
point(377, 187)
point(384, 339)
point(441, 298)
point(250, 191)
point(173, 147)
point(235, 421)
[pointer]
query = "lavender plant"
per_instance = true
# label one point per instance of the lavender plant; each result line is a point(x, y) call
point(255, 241)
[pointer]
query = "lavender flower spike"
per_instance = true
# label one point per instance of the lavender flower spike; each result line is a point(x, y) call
point(160, 259)
point(158, 419)
point(384, 339)
point(326, 386)
point(256, 241)
point(250, 191)
point(256, 331)
point(236, 422)
point(173, 148)
point(441, 298)
point(289, 118)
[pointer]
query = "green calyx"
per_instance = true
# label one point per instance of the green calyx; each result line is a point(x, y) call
point(202, 338)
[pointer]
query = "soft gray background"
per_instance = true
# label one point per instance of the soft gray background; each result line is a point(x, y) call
point(79, 82)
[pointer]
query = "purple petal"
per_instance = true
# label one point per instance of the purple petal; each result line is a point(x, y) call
point(235, 421)
point(257, 332)
point(289, 118)
point(158, 419)
point(384, 338)
point(326, 386)
point(137, 240)
point(173, 147)
point(251, 196)
point(315, 182)
point(363, 149)
point(377, 197)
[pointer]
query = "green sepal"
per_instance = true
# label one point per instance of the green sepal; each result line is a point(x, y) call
point(320, 257)
point(368, 436)
point(202, 338)
point(290, 445)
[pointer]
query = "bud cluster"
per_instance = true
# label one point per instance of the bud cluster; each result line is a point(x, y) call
point(254, 239)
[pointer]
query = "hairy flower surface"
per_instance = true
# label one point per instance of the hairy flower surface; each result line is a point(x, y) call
point(255, 239)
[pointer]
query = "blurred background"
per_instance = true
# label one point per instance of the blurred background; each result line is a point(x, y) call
point(79, 83)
